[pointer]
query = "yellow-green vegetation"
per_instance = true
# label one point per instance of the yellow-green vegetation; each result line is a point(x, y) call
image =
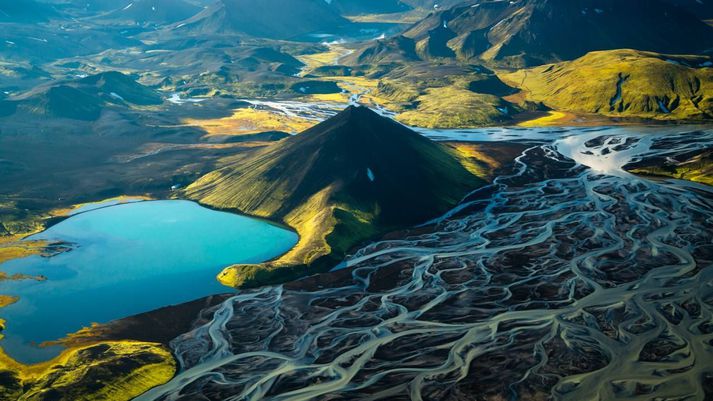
point(485, 160)
point(454, 107)
point(327, 58)
point(14, 226)
point(422, 98)
point(6, 300)
point(248, 121)
point(698, 168)
point(11, 247)
point(551, 118)
point(112, 371)
point(408, 17)
point(64, 212)
point(338, 184)
point(623, 83)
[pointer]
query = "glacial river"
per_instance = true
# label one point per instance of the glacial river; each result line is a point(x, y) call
point(568, 278)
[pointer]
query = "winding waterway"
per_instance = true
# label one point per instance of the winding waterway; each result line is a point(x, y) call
point(569, 278)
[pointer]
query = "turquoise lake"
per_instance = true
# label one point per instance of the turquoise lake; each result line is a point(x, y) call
point(128, 259)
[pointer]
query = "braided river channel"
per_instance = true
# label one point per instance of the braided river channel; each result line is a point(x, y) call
point(567, 278)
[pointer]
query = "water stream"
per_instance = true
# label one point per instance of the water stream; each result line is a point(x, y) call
point(568, 279)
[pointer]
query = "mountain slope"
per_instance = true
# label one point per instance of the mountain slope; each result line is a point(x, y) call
point(339, 183)
point(84, 99)
point(696, 166)
point(624, 83)
point(355, 7)
point(533, 32)
point(152, 12)
point(389, 50)
point(295, 18)
point(25, 11)
point(702, 9)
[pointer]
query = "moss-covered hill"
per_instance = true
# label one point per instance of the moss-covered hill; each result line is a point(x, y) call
point(696, 167)
point(343, 181)
point(112, 371)
point(624, 83)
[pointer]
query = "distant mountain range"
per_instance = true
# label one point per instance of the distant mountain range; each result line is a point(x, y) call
point(533, 32)
point(437, 72)
point(261, 19)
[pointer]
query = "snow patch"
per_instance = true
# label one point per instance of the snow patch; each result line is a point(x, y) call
point(176, 99)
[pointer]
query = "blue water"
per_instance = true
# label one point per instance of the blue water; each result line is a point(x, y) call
point(128, 259)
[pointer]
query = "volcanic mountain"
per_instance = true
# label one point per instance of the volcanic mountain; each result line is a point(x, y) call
point(339, 183)
point(259, 18)
point(534, 32)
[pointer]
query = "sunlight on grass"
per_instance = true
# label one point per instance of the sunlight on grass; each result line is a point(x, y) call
point(552, 118)
point(250, 121)
point(123, 371)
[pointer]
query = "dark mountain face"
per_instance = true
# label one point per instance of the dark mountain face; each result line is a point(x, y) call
point(353, 7)
point(153, 11)
point(378, 160)
point(432, 4)
point(395, 49)
point(25, 11)
point(341, 182)
point(369, 158)
point(702, 9)
point(274, 19)
point(531, 32)
point(84, 99)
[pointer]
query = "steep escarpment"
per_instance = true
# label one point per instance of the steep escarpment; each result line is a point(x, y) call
point(534, 32)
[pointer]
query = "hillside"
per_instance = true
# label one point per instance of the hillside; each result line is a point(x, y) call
point(296, 18)
point(152, 12)
point(623, 83)
point(25, 11)
point(534, 32)
point(397, 49)
point(696, 166)
point(84, 99)
point(339, 183)
point(702, 9)
point(356, 7)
